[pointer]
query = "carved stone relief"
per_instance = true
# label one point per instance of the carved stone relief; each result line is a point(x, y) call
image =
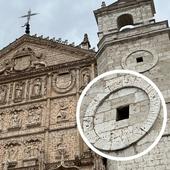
point(23, 59)
point(85, 77)
point(32, 149)
point(37, 88)
point(34, 115)
point(6, 67)
point(64, 82)
point(11, 153)
point(3, 94)
point(15, 121)
point(60, 148)
point(63, 111)
point(19, 91)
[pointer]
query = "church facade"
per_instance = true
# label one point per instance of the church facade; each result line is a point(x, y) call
point(41, 80)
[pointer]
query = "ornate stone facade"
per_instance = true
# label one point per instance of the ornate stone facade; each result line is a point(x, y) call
point(41, 81)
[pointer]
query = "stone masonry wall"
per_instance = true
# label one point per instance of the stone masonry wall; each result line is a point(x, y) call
point(156, 48)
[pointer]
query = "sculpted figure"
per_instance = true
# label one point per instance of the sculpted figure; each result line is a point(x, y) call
point(3, 91)
point(18, 92)
point(31, 150)
point(34, 115)
point(63, 109)
point(11, 153)
point(61, 148)
point(15, 120)
point(36, 91)
point(86, 79)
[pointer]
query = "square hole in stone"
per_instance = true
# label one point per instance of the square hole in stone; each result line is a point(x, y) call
point(139, 59)
point(122, 113)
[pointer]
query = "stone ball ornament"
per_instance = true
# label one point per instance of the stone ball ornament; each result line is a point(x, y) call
point(117, 110)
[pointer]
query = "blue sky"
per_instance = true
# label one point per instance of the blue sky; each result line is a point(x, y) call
point(58, 18)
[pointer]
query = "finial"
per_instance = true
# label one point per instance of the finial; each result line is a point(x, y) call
point(86, 43)
point(72, 44)
point(66, 42)
point(47, 38)
point(53, 39)
point(103, 4)
point(59, 40)
point(27, 24)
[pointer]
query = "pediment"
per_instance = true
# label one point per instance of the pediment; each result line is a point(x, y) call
point(28, 52)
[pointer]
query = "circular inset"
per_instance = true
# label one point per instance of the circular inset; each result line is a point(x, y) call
point(140, 61)
point(121, 110)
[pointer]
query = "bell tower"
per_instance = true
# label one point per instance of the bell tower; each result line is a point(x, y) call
point(124, 14)
point(130, 38)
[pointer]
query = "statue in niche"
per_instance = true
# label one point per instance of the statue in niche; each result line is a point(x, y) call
point(19, 89)
point(34, 115)
point(15, 121)
point(85, 78)
point(32, 149)
point(3, 93)
point(63, 110)
point(37, 87)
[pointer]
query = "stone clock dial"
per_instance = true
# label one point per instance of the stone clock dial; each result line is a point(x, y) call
point(140, 61)
point(122, 113)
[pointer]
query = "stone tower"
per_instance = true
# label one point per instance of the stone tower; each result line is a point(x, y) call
point(130, 38)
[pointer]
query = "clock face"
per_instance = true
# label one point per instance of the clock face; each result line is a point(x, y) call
point(140, 61)
point(119, 111)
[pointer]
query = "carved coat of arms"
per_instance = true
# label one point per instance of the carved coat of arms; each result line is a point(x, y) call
point(22, 63)
point(63, 82)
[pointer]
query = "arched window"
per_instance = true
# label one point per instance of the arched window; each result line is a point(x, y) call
point(125, 21)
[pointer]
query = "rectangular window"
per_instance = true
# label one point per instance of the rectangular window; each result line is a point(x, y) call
point(139, 59)
point(122, 113)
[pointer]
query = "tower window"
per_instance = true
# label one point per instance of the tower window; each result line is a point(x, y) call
point(122, 113)
point(139, 59)
point(124, 20)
